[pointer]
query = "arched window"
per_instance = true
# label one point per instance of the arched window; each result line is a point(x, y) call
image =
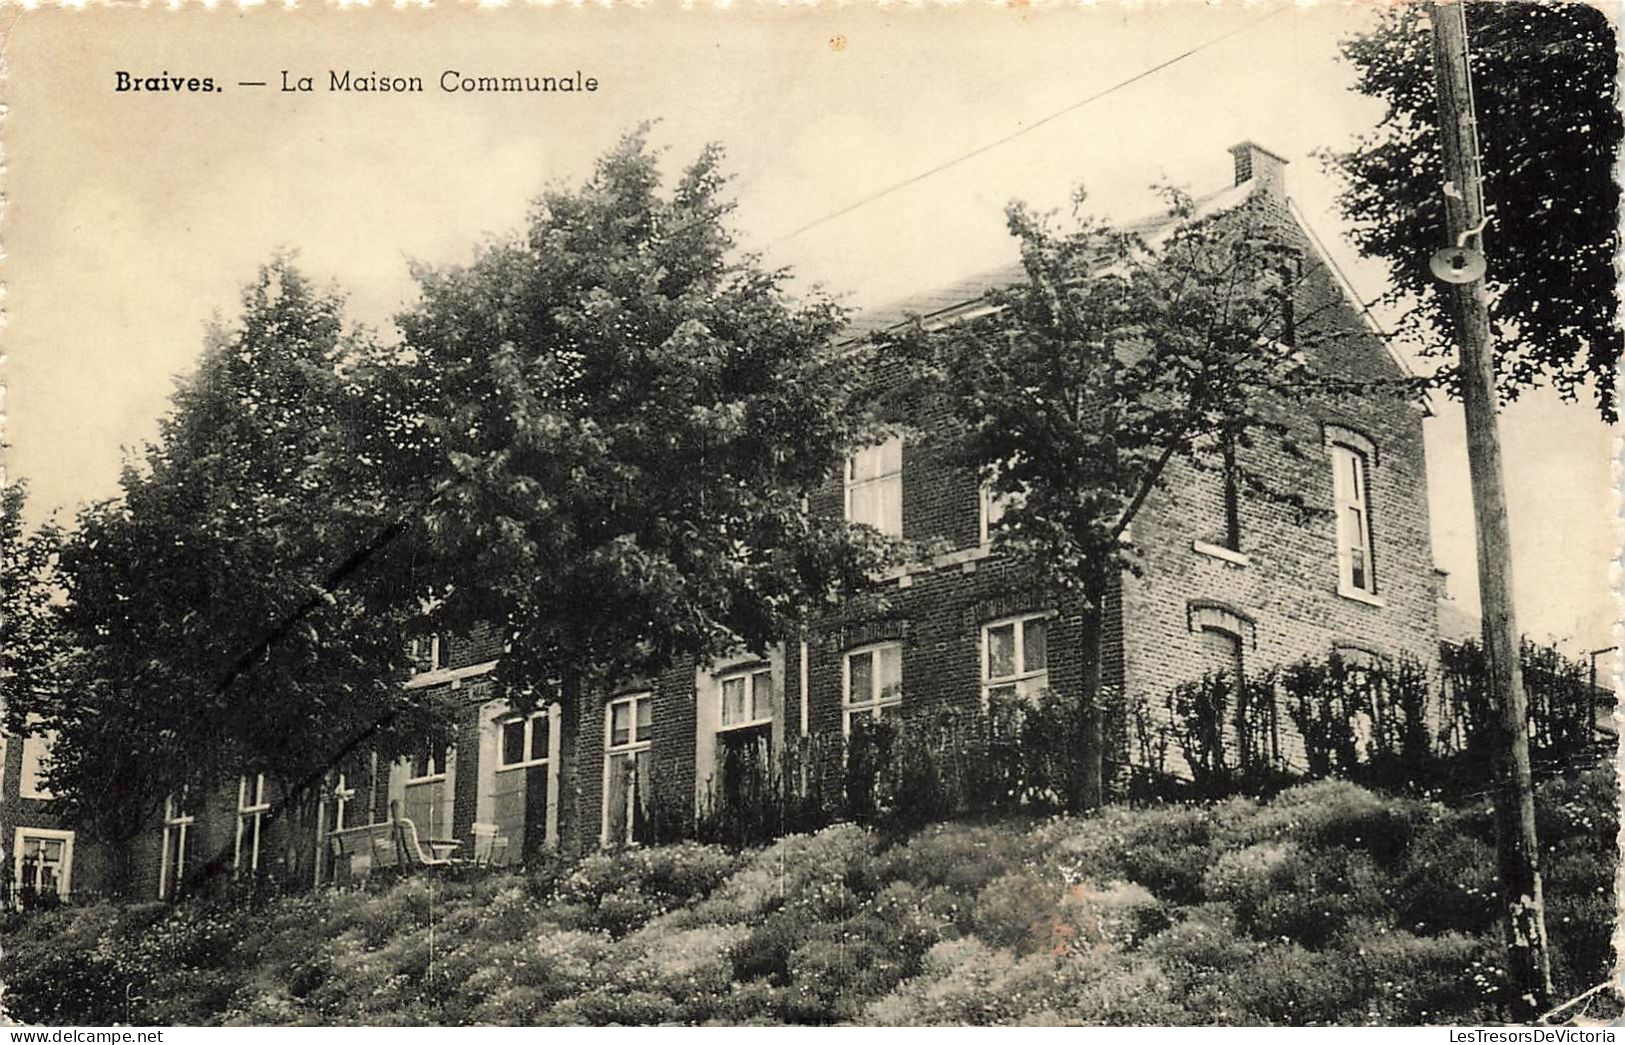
point(1352, 457)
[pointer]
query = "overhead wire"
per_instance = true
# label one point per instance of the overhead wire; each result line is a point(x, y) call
point(1020, 131)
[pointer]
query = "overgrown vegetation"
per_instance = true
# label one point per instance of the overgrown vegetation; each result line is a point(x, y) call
point(1327, 904)
point(1376, 721)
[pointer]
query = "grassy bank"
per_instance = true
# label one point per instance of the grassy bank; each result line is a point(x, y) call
point(1328, 904)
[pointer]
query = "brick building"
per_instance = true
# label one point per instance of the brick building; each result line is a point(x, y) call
point(39, 854)
point(1225, 583)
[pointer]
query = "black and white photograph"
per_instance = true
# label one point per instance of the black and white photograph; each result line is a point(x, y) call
point(603, 514)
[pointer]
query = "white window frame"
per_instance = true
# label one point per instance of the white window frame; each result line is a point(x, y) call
point(889, 527)
point(1352, 462)
point(529, 720)
point(436, 650)
point(343, 796)
point(64, 887)
point(177, 827)
point(636, 743)
point(250, 813)
point(1017, 624)
point(874, 705)
point(36, 753)
point(992, 508)
point(746, 676)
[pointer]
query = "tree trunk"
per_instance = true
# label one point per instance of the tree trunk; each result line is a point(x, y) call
point(1091, 788)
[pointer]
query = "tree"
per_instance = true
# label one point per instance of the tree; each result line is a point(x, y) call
point(1528, 91)
point(1549, 129)
point(211, 639)
point(30, 642)
point(1080, 387)
point(624, 417)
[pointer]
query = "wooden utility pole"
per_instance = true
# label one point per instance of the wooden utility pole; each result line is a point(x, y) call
point(1524, 911)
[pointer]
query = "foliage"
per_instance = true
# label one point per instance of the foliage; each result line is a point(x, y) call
point(1218, 716)
point(212, 636)
point(1113, 357)
point(31, 645)
point(1561, 702)
point(1074, 392)
point(1011, 756)
point(1549, 128)
point(1325, 904)
point(621, 416)
point(1329, 701)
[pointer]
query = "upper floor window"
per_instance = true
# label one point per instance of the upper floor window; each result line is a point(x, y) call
point(525, 740)
point(874, 487)
point(993, 506)
point(747, 698)
point(1291, 279)
point(430, 653)
point(1351, 495)
point(873, 683)
point(1230, 485)
point(36, 753)
point(1015, 657)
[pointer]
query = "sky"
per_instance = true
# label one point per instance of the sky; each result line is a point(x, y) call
point(132, 219)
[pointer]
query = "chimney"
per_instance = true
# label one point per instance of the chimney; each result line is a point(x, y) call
point(1263, 168)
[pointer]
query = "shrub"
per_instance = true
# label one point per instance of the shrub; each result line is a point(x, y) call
point(1446, 885)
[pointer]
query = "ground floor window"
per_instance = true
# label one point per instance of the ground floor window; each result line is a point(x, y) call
point(44, 862)
point(178, 823)
point(343, 798)
point(1015, 658)
point(525, 740)
point(429, 762)
point(253, 802)
point(873, 684)
point(628, 760)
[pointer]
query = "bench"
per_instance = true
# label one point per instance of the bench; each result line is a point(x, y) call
point(490, 848)
point(356, 851)
point(437, 855)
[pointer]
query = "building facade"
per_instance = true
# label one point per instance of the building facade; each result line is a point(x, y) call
point(40, 854)
point(1224, 583)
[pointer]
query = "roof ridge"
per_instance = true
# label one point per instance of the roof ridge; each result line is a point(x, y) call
point(969, 289)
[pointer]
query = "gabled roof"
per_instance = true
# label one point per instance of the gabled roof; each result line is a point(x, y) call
point(965, 294)
point(1457, 625)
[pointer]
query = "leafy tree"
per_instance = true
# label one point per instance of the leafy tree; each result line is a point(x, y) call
point(1549, 127)
point(212, 638)
point(30, 642)
point(1116, 360)
point(623, 416)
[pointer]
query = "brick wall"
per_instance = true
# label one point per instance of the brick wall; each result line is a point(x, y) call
point(1288, 588)
point(90, 873)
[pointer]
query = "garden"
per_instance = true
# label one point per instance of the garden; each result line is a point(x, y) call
point(1326, 903)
